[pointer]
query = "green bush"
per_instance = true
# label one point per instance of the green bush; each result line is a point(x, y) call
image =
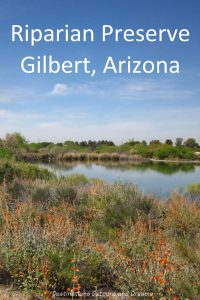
point(194, 188)
point(76, 179)
point(5, 153)
point(16, 189)
point(7, 172)
point(140, 149)
point(170, 152)
point(11, 169)
point(42, 195)
point(65, 193)
point(122, 206)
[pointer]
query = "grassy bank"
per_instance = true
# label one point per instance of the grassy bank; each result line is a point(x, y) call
point(10, 169)
point(72, 234)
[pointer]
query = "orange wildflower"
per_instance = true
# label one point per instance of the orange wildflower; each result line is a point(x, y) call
point(162, 281)
point(163, 261)
point(74, 278)
point(156, 278)
point(133, 270)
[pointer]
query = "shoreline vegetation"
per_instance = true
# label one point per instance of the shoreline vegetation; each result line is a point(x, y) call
point(97, 157)
point(73, 235)
point(15, 145)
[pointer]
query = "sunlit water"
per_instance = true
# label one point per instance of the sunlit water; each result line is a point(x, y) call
point(158, 178)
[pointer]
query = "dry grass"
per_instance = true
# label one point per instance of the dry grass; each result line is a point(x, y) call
point(7, 293)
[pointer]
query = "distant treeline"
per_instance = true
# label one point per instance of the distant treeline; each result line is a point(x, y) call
point(15, 144)
point(83, 144)
point(190, 142)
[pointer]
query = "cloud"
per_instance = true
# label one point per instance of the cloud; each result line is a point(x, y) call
point(14, 94)
point(151, 89)
point(60, 89)
point(117, 117)
point(134, 89)
point(87, 89)
point(4, 113)
point(61, 130)
point(18, 117)
point(74, 125)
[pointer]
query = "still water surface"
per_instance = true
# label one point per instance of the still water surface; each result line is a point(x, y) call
point(158, 178)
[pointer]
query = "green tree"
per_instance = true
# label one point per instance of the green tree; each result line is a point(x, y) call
point(179, 142)
point(155, 142)
point(14, 141)
point(169, 142)
point(191, 143)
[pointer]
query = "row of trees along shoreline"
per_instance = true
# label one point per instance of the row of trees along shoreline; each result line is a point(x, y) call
point(15, 144)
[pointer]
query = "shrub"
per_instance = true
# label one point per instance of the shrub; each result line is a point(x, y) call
point(167, 151)
point(121, 206)
point(16, 189)
point(42, 194)
point(76, 179)
point(5, 153)
point(11, 169)
point(7, 172)
point(65, 193)
point(194, 188)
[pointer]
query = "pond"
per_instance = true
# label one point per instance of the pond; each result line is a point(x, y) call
point(156, 177)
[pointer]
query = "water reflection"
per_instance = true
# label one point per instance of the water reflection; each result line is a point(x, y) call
point(160, 167)
point(154, 177)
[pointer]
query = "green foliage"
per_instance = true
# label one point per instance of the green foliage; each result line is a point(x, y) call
point(194, 188)
point(76, 179)
point(16, 189)
point(179, 142)
point(42, 194)
point(169, 142)
point(38, 146)
point(65, 193)
point(14, 141)
point(170, 152)
point(16, 145)
point(191, 143)
point(140, 149)
point(11, 169)
point(122, 206)
point(155, 142)
point(5, 153)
